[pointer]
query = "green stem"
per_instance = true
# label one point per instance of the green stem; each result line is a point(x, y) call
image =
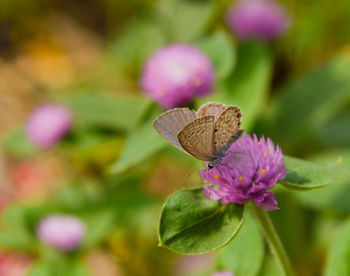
point(273, 240)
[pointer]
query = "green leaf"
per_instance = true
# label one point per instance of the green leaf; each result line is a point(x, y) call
point(14, 232)
point(141, 143)
point(192, 224)
point(309, 102)
point(338, 260)
point(140, 39)
point(305, 175)
point(42, 269)
point(270, 267)
point(185, 20)
point(335, 195)
point(223, 59)
point(98, 110)
point(248, 86)
point(244, 255)
point(98, 225)
point(58, 268)
point(17, 144)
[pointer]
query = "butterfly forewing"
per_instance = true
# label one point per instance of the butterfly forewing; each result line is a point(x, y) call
point(211, 109)
point(197, 138)
point(227, 129)
point(170, 123)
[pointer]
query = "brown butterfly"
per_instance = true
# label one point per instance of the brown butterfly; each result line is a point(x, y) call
point(205, 135)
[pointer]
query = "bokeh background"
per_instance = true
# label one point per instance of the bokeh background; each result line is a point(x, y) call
point(113, 171)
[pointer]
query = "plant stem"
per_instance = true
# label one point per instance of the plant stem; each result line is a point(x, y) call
point(273, 240)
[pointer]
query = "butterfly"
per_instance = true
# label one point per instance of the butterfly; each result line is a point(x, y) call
point(206, 134)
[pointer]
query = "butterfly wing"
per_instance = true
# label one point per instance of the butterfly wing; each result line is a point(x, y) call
point(171, 122)
point(227, 129)
point(211, 109)
point(197, 138)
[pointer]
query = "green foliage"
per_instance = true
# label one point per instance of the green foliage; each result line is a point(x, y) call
point(15, 234)
point(17, 144)
point(335, 195)
point(62, 267)
point(99, 225)
point(141, 143)
point(247, 87)
point(126, 50)
point(223, 60)
point(304, 175)
point(303, 107)
point(185, 20)
point(245, 253)
point(98, 110)
point(338, 260)
point(191, 224)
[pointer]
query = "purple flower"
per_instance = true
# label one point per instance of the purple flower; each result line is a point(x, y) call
point(61, 231)
point(174, 75)
point(48, 124)
point(250, 168)
point(223, 273)
point(264, 19)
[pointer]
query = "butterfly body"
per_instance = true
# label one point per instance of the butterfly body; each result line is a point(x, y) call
point(205, 135)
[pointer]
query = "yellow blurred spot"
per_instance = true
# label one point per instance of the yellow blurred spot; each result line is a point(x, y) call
point(263, 171)
point(240, 178)
point(266, 152)
point(215, 176)
point(340, 160)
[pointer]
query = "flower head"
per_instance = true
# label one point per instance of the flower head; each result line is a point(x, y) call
point(48, 124)
point(61, 231)
point(174, 75)
point(223, 273)
point(250, 168)
point(264, 19)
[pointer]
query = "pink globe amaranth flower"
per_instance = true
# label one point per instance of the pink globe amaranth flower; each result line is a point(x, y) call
point(264, 19)
point(48, 124)
point(223, 273)
point(250, 168)
point(176, 74)
point(63, 232)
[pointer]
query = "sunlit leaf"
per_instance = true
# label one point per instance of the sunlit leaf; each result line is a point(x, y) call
point(192, 224)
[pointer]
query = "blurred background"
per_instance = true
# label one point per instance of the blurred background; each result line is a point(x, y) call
point(112, 171)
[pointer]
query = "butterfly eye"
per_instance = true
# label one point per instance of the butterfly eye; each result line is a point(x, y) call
point(210, 165)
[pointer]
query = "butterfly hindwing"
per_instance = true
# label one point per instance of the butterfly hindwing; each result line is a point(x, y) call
point(197, 138)
point(211, 109)
point(227, 129)
point(171, 122)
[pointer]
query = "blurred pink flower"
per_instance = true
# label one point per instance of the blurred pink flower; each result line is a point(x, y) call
point(223, 273)
point(63, 232)
point(176, 74)
point(48, 124)
point(264, 19)
point(250, 168)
